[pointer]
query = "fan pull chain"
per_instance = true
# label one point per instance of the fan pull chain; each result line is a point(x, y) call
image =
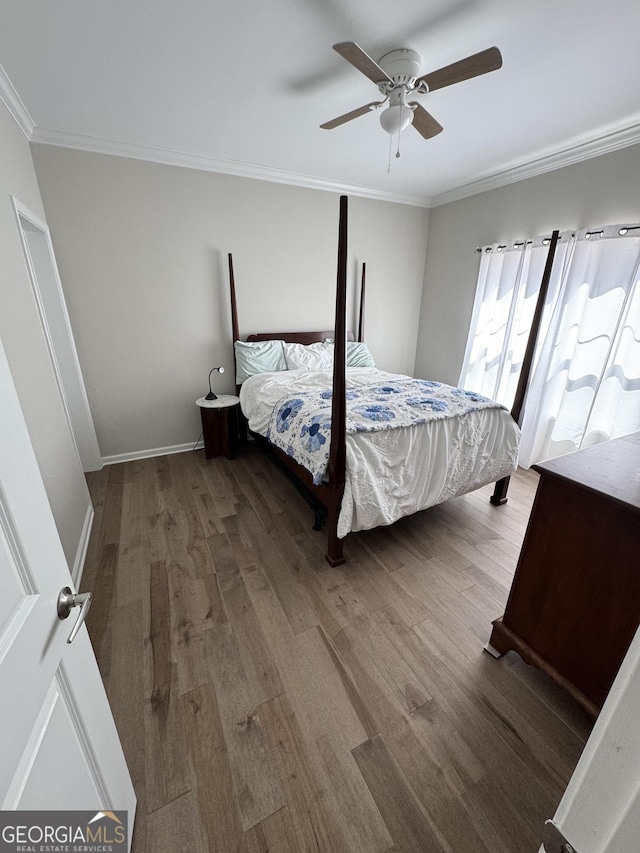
point(391, 148)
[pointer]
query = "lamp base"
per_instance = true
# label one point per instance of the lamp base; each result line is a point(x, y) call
point(211, 396)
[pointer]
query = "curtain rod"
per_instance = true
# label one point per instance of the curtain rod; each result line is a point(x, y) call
point(598, 232)
point(518, 244)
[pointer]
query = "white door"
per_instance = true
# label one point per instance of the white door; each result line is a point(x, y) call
point(600, 810)
point(58, 743)
point(56, 325)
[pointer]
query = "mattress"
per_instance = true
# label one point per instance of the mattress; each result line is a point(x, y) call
point(396, 472)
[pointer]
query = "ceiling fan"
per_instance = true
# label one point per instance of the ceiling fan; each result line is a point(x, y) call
point(396, 76)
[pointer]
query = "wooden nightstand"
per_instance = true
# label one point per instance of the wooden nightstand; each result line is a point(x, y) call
point(220, 425)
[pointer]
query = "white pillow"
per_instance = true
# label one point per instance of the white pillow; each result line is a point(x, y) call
point(317, 356)
point(258, 357)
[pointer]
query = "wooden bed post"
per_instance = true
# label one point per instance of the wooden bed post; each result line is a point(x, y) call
point(337, 453)
point(235, 330)
point(499, 495)
point(234, 308)
point(362, 289)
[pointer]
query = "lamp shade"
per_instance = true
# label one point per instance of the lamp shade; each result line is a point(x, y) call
point(396, 117)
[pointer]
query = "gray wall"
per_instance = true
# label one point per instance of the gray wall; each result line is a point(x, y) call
point(26, 349)
point(601, 191)
point(142, 250)
point(142, 255)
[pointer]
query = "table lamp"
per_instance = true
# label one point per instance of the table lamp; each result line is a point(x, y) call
point(211, 395)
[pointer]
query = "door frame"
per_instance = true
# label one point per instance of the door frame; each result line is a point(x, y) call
point(600, 809)
point(59, 336)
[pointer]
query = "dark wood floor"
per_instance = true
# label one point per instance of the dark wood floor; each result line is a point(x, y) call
point(268, 702)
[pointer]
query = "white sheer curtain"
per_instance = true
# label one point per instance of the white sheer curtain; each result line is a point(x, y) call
point(585, 387)
point(506, 294)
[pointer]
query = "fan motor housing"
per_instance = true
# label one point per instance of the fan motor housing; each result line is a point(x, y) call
point(403, 66)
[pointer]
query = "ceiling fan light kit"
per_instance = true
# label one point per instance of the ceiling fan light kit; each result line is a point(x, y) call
point(397, 75)
point(396, 118)
point(402, 67)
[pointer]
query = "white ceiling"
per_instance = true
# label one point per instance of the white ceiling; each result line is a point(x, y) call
point(243, 86)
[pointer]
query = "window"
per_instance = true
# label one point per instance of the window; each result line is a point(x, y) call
point(585, 382)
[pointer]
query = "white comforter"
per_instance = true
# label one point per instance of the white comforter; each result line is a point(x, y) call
point(397, 472)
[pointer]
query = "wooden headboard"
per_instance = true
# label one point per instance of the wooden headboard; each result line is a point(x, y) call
point(296, 337)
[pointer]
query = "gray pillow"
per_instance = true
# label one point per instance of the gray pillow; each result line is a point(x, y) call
point(359, 355)
point(258, 357)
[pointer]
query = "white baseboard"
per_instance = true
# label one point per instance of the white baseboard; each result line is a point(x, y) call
point(148, 454)
point(81, 553)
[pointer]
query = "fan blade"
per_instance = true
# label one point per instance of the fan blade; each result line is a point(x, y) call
point(465, 69)
point(336, 122)
point(424, 122)
point(354, 54)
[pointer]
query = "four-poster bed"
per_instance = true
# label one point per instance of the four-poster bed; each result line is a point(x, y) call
point(457, 441)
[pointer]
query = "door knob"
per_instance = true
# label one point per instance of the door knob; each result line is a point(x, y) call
point(67, 600)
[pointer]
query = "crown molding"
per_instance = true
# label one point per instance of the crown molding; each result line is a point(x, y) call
point(13, 102)
point(167, 157)
point(612, 138)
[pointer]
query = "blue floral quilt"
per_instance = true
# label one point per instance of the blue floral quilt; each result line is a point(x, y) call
point(301, 424)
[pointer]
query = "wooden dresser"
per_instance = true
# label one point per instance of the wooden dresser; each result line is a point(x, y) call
point(574, 605)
